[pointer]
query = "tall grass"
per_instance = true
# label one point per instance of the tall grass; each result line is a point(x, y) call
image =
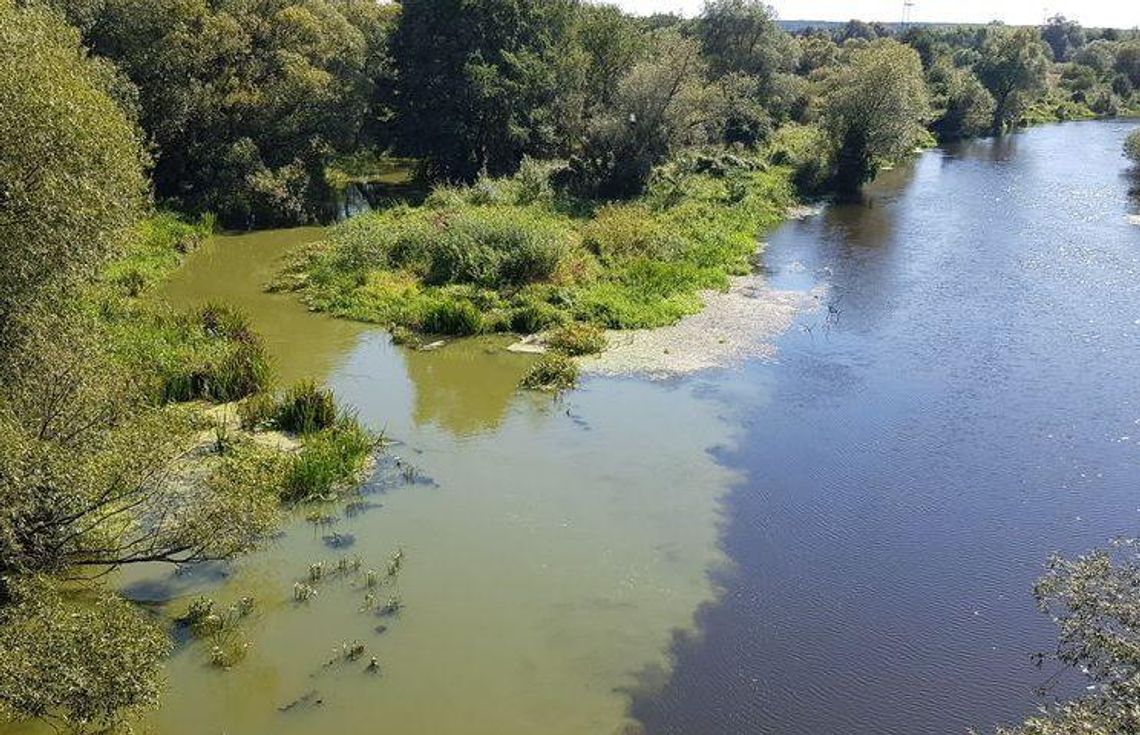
point(512, 255)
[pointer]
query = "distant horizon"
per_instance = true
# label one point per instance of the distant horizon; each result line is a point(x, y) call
point(1089, 13)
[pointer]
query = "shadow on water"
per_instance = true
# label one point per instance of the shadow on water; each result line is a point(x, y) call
point(974, 407)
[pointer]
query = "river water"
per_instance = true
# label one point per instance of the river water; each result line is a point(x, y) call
point(842, 540)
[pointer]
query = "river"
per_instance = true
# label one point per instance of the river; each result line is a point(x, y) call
point(839, 540)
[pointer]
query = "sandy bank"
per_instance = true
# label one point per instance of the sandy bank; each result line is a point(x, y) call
point(735, 325)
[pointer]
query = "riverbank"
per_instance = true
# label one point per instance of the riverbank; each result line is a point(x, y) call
point(513, 255)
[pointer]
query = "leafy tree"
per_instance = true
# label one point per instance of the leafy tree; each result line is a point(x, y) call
point(874, 107)
point(70, 163)
point(1128, 62)
point(965, 107)
point(1013, 66)
point(477, 81)
point(1100, 56)
point(89, 473)
point(1132, 146)
point(75, 662)
point(246, 103)
point(662, 103)
point(741, 37)
point(1094, 601)
point(1063, 36)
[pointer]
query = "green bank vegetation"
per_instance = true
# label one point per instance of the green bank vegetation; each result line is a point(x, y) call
point(106, 455)
point(583, 169)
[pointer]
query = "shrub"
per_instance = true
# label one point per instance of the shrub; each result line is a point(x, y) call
point(1132, 146)
point(551, 372)
point(578, 338)
point(306, 408)
point(329, 459)
point(532, 182)
point(453, 317)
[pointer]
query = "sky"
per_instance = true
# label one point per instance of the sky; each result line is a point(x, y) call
point(1097, 13)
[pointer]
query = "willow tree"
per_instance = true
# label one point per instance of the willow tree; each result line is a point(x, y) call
point(1013, 66)
point(71, 178)
point(874, 107)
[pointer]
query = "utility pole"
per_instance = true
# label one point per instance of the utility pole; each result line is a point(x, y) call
point(908, 5)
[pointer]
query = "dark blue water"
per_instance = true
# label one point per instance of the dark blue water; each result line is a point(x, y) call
point(969, 404)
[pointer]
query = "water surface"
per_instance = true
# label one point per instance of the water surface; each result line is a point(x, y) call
point(969, 403)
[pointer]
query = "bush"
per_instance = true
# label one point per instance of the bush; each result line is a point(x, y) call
point(306, 409)
point(1132, 146)
point(551, 372)
point(808, 152)
point(329, 459)
point(453, 317)
point(578, 338)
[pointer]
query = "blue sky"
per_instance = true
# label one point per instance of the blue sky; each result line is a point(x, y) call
point(1117, 13)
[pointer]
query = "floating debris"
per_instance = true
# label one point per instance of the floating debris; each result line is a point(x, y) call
point(311, 698)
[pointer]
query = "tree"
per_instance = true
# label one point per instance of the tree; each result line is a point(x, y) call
point(1132, 146)
point(1063, 36)
point(1013, 66)
point(75, 662)
point(874, 108)
point(661, 104)
point(477, 81)
point(965, 107)
point(1094, 601)
point(1128, 62)
point(71, 178)
point(246, 103)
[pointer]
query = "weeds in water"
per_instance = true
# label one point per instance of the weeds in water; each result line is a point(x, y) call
point(395, 563)
point(329, 459)
point(303, 592)
point(316, 571)
point(228, 644)
point(552, 372)
point(391, 607)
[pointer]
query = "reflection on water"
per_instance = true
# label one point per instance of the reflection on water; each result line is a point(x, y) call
point(974, 407)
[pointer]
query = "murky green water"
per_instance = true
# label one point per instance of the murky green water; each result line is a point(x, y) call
point(553, 548)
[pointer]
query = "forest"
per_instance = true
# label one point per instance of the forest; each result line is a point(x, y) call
point(530, 166)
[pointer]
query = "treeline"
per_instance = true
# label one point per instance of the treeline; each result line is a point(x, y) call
point(246, 106)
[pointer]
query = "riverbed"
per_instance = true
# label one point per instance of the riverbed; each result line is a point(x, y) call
point(838, 534)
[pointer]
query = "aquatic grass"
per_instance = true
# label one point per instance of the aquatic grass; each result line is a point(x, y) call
point(306, 408)
point(329, 459)
point(511, 255)
point(552, 372)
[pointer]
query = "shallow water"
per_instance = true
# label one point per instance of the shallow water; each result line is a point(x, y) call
point(552, 547)
point(856, 526)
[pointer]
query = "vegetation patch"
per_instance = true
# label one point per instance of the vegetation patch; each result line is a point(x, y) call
point(553, 371)
point(508, 255)
point(577, 338)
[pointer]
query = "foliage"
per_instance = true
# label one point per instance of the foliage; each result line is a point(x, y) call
point(577, 339)
point(874, 108)
point(553, 371)
point(246, 103)
point(70, 163)
point(437, 268)
point(330, 458)
point(1013, 66)
point(75, 661)
point(476, 81)
point(210, 353)
point(1132, 146)
point(1094, 602)
point(306, 408)
point(91, 474)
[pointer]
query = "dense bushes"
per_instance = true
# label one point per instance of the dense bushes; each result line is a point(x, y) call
point(466, 262)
